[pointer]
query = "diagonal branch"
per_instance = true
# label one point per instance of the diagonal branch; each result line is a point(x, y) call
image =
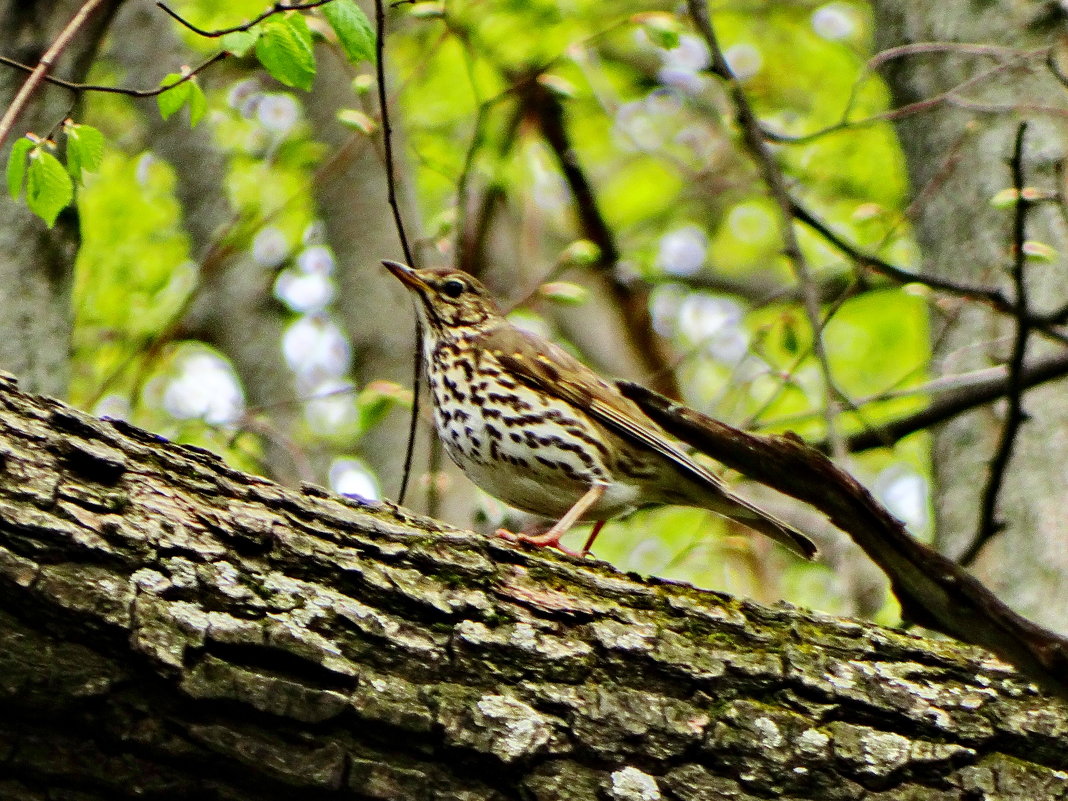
point(546, 109)
point(46, 63)
point(933, 591)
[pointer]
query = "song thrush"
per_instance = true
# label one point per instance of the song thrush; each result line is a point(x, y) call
point(532, 425)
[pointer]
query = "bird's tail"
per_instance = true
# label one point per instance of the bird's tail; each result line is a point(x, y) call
point(751, 517)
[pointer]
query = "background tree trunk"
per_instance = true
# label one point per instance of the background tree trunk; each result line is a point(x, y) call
point(37, 264)
point(957, 153)
point(172, 628)
point(234, 309)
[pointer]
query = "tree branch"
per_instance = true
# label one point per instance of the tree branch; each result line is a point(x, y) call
point(172, 628)
point(48, 60)
point(933, 591)
point(546, 109)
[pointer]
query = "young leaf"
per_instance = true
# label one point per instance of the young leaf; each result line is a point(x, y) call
point(240, 42)
point(198, 104)
point(16, 165)
point(285, 50)
point(173, 99)
point(48, 187)
point(353, 29)
point(85, 149)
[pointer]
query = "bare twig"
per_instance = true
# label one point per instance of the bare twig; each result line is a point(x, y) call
point(48, 60)
point(753, 136)
point(391, 186)
point(277, 8)
point(933, 591)
point(989, 525)
point(990, 295)
point(954, 403)
point(118, 90)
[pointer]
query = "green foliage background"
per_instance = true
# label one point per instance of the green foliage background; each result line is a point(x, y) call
point(453, 66)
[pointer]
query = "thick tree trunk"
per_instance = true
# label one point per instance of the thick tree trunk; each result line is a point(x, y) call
point(36, 264)
point(171, 628)
point(957, 152)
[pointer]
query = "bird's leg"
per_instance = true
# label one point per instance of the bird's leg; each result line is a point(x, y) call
point(593, 535)
point(551, 538)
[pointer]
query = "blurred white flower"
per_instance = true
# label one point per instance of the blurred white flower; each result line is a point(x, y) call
point(682, 65)
point(269, 247)
point(744, 59)
point(302, 292)
point(714, 324)
point(834, 21)
point(144, 167)
point(243, 96)
point(316, 349)
point(353, 477)
point(205, 387)
point(904, 492)
point(278, 112)
point(316, 259)
point(691, 55)
point(682, 251)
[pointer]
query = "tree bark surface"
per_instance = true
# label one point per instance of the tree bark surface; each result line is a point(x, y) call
point(172, 628)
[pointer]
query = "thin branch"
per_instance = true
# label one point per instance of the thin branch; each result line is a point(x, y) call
point(950, 96)
point(391, 186)
point(277, 8)
point(955, 403)
point(548, 112)
point(990, 295)
point(753, 136)
point(989, 524)
point(48, 60)
point(92, 87)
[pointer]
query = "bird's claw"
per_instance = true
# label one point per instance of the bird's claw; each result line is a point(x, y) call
point(550, 539)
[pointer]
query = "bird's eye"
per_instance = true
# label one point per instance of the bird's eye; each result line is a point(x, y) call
point(453, 288)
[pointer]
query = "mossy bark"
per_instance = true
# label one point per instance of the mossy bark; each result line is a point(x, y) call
point(172, 628)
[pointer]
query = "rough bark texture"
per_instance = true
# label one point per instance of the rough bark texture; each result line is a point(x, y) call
point(957, 159)
point(171, 628)
point(36, 264)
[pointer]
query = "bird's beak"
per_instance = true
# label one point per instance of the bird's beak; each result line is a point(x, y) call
point(406, 275)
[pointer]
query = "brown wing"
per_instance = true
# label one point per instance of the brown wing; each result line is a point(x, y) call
point(549, 368)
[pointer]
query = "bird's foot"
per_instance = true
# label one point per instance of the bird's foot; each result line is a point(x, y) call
point(548, 539)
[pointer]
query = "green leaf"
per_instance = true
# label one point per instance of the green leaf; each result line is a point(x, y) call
point(357, 120)
point(240, 42)
point(85, 149)
point(1039, 251)
point(285, 50)
point(353, 29)
point(198, 104)
point(173, 99)
point(48, 187)
point(16, 165)
point(564, 292)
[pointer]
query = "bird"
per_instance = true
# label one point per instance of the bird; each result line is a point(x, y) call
point(532, 425)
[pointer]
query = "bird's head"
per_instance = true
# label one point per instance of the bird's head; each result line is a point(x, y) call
point(449, 300)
